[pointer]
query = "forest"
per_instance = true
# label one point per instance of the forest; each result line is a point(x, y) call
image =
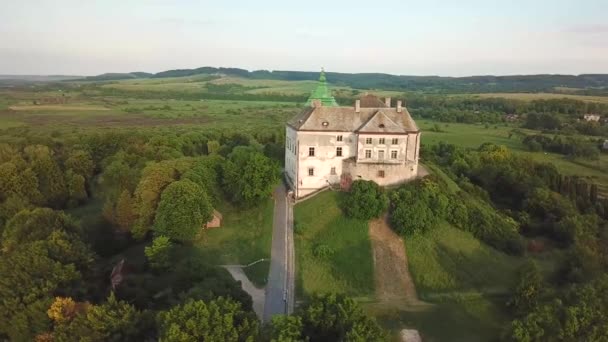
point(62, 280)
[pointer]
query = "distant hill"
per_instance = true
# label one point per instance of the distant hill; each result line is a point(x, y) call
point(117, 76)
point(587, 84)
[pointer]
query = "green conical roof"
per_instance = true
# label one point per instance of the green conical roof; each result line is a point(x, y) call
point(322, 93)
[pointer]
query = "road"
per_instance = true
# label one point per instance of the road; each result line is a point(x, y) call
point(280, 285)
point(257, 295)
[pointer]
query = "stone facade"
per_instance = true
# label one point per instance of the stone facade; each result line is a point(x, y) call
point(333, 146)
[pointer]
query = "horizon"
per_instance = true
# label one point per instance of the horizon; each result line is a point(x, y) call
point(478, 38)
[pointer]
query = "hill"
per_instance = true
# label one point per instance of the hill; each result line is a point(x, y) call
point(587, 84)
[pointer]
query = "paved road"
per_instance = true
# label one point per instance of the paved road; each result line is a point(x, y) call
point(257, 295)
point(280, 286)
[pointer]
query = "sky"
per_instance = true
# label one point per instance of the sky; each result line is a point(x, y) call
point(430, 37)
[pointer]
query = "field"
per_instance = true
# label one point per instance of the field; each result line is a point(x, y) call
point(112, 112)
point(543, 96)
point(473, 135)
point(347, 267)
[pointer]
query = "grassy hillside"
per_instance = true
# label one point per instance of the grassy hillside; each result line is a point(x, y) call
point(348, 267)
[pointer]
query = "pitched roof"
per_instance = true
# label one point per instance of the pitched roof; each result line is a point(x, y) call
point(345, 119)
point(381, 123)
point(371, 101)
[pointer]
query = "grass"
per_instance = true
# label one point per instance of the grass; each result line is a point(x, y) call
point(244, 237)
point(466, 281)
point(349, 270)
point(447, 261)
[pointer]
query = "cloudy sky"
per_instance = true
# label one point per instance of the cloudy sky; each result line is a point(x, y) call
point(431, 37)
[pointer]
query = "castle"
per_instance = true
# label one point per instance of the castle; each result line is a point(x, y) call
point(329, 145)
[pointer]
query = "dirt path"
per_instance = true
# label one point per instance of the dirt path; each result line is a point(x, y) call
point(394, 284)
point(257, 295)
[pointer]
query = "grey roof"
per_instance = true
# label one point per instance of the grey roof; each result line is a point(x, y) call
point(345, 119)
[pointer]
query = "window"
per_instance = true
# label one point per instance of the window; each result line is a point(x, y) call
point(381, 154)
point(381, 173)
point(339, 138)
point(393, 154)
point(311, 151)
point(339, 151)
point(333, 171)
point(368, 153)
point(368, 140)
point(395, 141)
point(311, 171)
point(382, 141)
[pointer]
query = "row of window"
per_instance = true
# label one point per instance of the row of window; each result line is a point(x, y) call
point(394, 154)
point(311, 151)
point(381, 141)
point(311, 172)
point(368, 153)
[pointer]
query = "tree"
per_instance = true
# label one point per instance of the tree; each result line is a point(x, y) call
point(418, 206)
point(159, 253)
point(528, 288)
point(51, 182)
point(183, 210)
point(218, 320)
point(125, 211)
point(34, 225)
point(30, 276)
point(81, 163)
point(365, 200)
point(286, 328)
point(76, 188)
point(113, 320)
point(154, 179)
point(335, 317)
point(249, 176)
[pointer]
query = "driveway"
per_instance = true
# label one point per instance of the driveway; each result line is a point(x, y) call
point(280, 286)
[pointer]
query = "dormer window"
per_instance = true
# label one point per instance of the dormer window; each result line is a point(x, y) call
point(381, 125)
point(325, 123)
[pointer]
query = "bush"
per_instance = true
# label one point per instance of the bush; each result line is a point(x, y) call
point(418, 206)
point(323, 251)
point(365, 200)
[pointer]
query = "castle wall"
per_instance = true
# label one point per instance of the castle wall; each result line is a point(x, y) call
point(382, 173)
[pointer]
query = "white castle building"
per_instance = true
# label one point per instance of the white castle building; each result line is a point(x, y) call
point(329, 145)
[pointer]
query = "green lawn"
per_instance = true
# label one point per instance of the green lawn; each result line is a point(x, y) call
point(319, 222)
point(244, 237)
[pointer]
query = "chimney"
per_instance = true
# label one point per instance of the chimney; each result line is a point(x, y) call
point(399, 106)
point(357, 106)
point(387, 102)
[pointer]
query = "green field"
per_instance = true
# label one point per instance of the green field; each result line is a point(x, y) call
point(349, 269)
